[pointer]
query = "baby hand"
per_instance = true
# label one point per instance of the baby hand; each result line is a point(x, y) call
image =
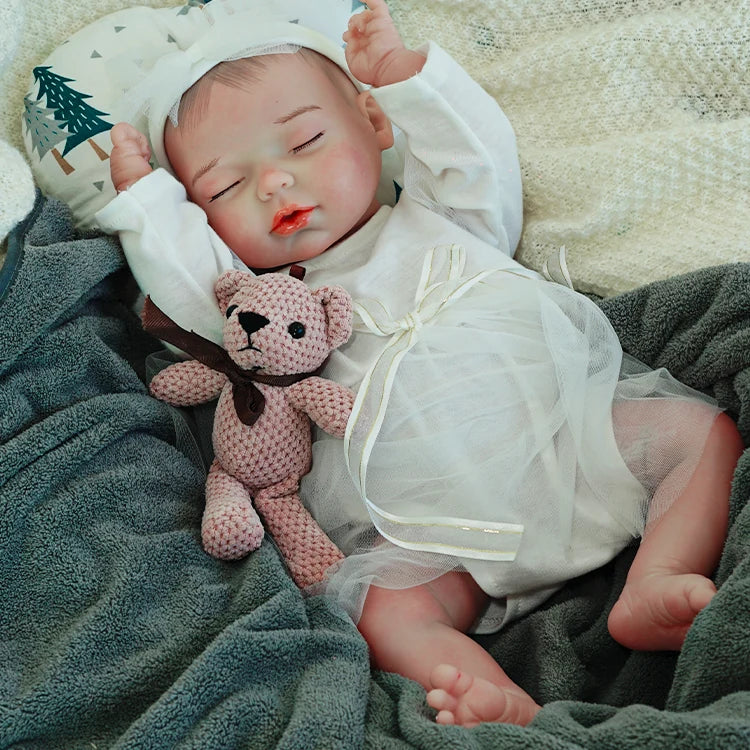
point(128, 161)
point(374, 51)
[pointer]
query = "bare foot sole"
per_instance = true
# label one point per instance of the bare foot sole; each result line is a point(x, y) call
point(655, 612)
point(463, 699)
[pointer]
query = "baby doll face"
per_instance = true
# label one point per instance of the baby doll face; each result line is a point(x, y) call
point(285, 165)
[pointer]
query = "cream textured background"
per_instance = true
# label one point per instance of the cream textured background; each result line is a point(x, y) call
point(633, 125)
point(632, 118)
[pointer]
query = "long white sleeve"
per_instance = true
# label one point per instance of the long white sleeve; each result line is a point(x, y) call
point(461, 149)
point(173, 253)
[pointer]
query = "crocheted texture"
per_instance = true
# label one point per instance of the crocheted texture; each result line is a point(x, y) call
point(278, 326)
point(230, 527)
point(189, 383)
point(279, 442)
point(302, 543)
point(632, 121)
point(300, 329)
point(324, 401)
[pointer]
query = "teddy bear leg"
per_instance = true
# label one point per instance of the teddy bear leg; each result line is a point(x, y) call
point(304, 545)
point(230, 527)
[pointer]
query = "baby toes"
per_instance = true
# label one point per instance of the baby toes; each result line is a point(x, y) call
point(462, 698)
point(449, 679)
point(700, 594)
point(444, 703)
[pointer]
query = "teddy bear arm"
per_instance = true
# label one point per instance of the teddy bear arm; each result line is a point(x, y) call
point(187, 383)
point(328, 404)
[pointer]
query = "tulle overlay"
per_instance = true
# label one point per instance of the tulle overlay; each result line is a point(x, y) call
point(502, 431)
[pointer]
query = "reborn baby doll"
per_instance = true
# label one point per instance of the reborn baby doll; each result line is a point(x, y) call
point(500, 443)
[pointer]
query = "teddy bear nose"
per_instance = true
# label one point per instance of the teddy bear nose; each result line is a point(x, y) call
point(252, 322)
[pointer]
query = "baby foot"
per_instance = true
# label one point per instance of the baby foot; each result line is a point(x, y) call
point(463, 699)
point(128, 161)
point(655, 612)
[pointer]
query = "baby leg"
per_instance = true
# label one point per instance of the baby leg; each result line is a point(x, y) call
point(128, 161)
point(668, 582)
point(420, 633)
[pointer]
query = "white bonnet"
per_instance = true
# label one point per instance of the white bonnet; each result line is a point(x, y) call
point(232, 29)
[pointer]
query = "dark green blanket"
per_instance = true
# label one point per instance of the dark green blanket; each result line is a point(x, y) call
point(116, 630)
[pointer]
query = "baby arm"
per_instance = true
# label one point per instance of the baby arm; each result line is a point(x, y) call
point(461, 147)
point(374, 51)
point(173, 253)
point(128, 161)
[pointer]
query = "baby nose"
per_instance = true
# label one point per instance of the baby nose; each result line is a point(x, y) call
point(272, 180)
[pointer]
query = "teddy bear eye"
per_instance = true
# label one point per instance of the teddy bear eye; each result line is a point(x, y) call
point(231, 309)
point(296, 330)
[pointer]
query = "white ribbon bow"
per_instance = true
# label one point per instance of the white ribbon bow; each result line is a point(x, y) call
point(438, 288)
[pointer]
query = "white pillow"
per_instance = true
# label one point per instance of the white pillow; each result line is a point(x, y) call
point(75, 93)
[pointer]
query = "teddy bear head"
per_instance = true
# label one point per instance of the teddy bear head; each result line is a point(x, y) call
point(277, 325)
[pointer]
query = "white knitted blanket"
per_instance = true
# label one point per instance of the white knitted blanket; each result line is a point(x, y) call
point(632, 119)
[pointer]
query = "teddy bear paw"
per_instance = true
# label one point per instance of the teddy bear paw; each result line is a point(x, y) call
point(231, 531)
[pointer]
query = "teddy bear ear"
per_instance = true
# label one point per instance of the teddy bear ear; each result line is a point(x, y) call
point(228, 284)
point(338, 307)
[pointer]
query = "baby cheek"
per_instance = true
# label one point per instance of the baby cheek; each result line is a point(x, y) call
point(242, 235)
point(227, 228)
point(352, 169)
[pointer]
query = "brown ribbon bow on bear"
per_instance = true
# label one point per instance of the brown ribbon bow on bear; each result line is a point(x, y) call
point(249, 402)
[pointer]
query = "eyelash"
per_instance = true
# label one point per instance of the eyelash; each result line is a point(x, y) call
point(221, 192)
point(297, 149)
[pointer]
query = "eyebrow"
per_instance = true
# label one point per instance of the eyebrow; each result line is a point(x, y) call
point(295, 113)
point(205, 168)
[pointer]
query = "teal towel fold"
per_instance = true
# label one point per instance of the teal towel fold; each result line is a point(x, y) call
point(117, 630)
point(115, 626)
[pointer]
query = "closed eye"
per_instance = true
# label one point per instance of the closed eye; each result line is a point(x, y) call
point(304, 145)
point(225, 190)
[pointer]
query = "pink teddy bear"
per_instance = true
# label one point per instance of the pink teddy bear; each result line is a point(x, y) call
point(277, 335)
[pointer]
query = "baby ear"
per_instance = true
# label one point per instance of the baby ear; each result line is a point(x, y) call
point(378, 119)
point(338, 308)
point(228, 284)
